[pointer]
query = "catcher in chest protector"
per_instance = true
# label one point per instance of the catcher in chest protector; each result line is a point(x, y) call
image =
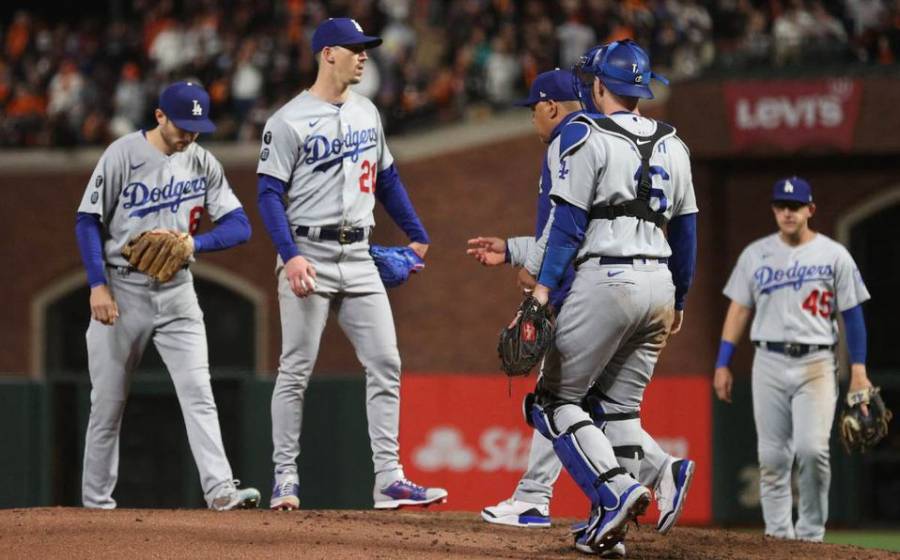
point(135, 230)
point(530, 336)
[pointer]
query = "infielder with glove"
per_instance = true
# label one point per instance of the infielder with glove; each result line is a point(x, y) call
point(797, 281)
point(554, 102)
point(617, 182)
point(135, 229)
point(325, 150)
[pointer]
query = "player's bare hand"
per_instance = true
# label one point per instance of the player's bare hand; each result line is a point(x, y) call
point(525, 280)
point(541, 293)
point(419, 248)
point(722, 383)
point(677, 322)
point(859, 380)
point(301, 276)
point(103, 306)
point(489, 251)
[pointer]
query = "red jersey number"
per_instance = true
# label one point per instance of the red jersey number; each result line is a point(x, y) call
point(367, 179)
point(194, 223)
point(819, 303)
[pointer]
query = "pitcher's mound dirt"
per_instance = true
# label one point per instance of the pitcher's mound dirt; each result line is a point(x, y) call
point(71, 533)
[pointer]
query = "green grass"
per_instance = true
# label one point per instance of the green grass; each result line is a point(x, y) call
point(887, 540)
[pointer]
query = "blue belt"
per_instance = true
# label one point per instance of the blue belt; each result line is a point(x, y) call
point(791, 349)
point(342, 234)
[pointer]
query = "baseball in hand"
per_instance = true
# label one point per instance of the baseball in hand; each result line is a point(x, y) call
point(309, 284)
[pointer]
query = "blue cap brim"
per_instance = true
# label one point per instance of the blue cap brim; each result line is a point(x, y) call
point(195, 125)
point(527, 102)
point(367, 41)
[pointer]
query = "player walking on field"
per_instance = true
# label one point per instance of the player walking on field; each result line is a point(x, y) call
point(149, 181)
point(554, 104)
point(617, 181)
point(796, 281)
point(325, 150)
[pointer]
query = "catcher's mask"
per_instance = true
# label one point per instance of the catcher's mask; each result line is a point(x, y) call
point(624, 68)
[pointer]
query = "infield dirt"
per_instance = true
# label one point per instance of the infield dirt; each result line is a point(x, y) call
point(72, 533)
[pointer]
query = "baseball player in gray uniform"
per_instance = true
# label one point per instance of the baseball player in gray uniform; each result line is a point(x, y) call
point(554, 104)
point(325, 152)
point(158, 179)
point(796, 280)
point(617, 181)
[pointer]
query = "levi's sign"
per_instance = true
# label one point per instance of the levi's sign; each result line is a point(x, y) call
point(793, 114)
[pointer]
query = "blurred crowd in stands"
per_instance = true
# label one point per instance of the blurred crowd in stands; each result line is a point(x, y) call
point(88, 81)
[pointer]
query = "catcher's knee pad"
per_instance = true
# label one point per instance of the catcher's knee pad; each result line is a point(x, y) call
point(588, 477)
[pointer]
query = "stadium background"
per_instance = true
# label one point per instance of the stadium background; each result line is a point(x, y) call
point(761, 89)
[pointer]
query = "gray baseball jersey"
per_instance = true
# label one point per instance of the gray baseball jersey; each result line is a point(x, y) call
point(604, 172)
point(329, 155)
point(796, 291)
point(136, 188)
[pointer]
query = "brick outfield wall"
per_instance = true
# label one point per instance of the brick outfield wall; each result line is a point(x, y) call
point(448, 317)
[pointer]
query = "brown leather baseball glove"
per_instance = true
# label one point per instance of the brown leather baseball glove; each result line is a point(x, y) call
point(159, 253)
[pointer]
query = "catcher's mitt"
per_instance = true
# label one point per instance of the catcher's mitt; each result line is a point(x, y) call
point(859, 432)
point(524, 342)
point(395, 264)
point(158, 253)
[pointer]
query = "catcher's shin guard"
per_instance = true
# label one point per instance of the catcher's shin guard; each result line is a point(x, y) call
point(588, 477)
point(623, 429)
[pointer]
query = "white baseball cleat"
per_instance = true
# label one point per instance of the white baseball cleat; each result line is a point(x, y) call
point(672, 492)
point(229, 497)
point(516, 513)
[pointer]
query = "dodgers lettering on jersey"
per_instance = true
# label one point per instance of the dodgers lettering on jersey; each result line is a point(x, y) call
point(605, 169)
point(797, 291)
point(135, 188)
point(329, 156)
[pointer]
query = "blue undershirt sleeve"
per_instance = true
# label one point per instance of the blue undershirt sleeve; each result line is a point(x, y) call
point(231, 229)
point(391, 193)
point(90, 244)
point(566, 235)
point(271, 209)
point(682, 238)
point(856, 334)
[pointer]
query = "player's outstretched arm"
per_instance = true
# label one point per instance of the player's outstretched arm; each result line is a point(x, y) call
point(489, 251)
point(735, 322)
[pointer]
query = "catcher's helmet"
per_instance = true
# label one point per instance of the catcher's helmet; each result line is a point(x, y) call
point(622, 66)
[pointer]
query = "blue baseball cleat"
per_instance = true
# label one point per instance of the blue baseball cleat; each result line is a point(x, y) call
point(285, 492)
point(402, 492)
point(607, 526)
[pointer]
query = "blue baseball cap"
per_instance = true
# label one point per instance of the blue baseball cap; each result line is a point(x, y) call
point(555, 85)
point(792, 189)
point(341, 32)
point(623, 67)
point(187, 105)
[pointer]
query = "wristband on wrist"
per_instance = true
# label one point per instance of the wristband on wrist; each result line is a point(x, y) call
point(726, 350)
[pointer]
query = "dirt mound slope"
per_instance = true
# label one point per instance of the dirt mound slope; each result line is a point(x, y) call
point(72, 533)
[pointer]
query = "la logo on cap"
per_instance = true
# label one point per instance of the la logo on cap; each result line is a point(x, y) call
point(197, 110)
point(543, 94)
point(788, 187)
point(356, 25)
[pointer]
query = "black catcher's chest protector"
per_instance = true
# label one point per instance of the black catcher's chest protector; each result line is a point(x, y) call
point(639, 207)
